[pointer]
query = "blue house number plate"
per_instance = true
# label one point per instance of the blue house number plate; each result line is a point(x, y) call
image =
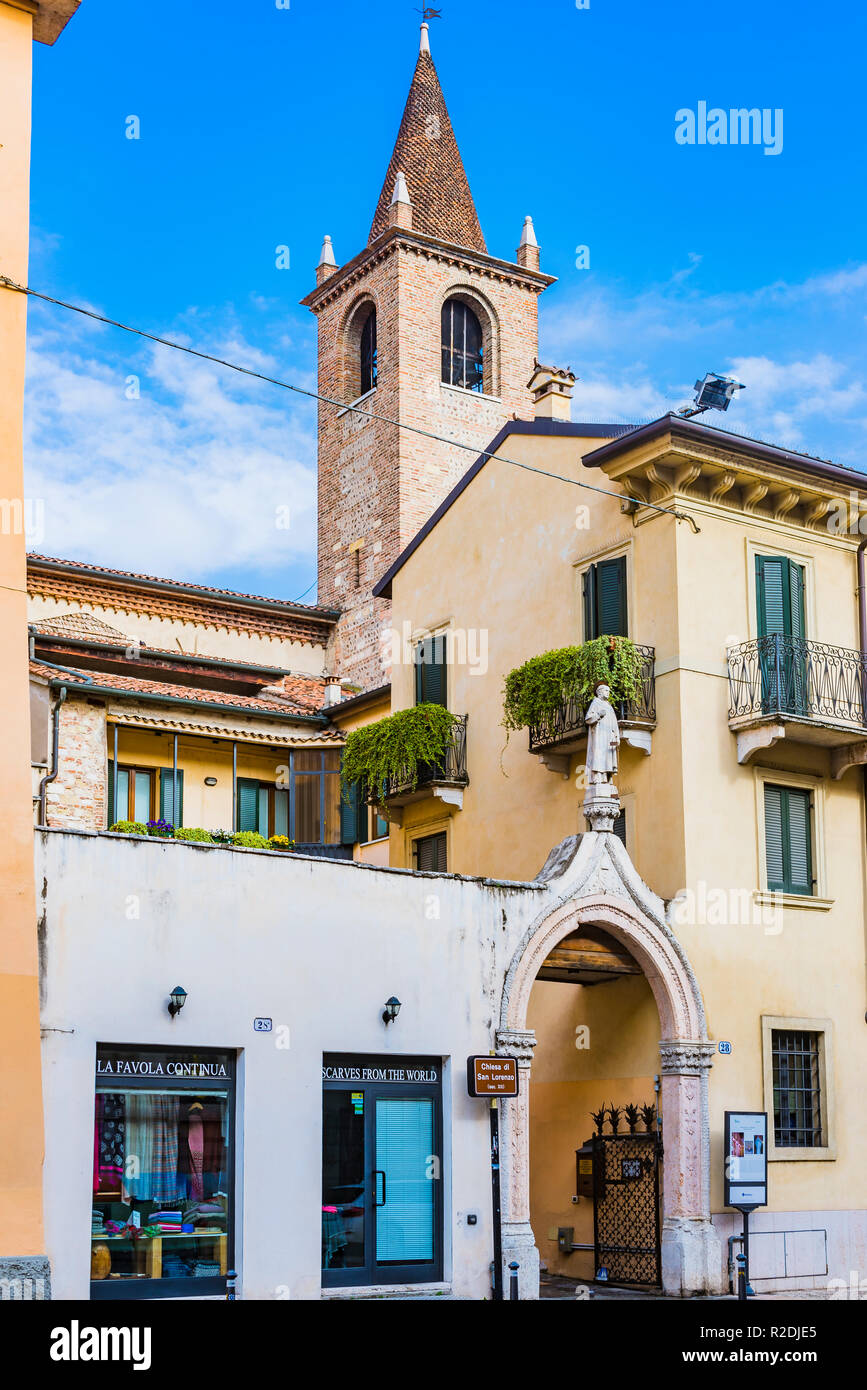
point(261, 1025)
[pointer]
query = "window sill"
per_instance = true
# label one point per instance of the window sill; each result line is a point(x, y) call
point(475, 395)
point(768, 898)
point(387, 1291)
point(357, 402)
point(821, 1155)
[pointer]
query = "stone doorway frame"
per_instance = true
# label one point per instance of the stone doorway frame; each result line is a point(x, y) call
point(691, 1252)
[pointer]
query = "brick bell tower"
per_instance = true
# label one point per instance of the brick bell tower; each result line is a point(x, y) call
point(425, 328)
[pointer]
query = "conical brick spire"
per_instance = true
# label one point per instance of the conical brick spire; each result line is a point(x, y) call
point(426, 152)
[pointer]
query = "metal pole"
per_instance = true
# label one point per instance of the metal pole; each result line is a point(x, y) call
point(495, 1198)
point(742, 1279)
point(746, 1254)
point(513, 1281)
point(175, 818)
point(114, 779)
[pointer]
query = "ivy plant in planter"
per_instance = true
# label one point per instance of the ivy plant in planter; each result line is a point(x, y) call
point(544, 683)
point(395, 748)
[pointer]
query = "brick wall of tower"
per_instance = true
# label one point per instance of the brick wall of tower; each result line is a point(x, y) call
point(378, 484)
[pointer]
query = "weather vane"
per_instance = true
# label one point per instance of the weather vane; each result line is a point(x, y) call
point(428, 13)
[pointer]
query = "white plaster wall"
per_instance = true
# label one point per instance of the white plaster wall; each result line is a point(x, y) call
point(317, 946)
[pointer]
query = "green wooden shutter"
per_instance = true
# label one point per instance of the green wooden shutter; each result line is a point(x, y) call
point(167, 796)
point(796, 598)
point(774, 837)
point(430, 854)
point(247, 796)
point(431, 684)
point(605, 612)
point(779, 596)
point(788, 840)
point(590, 604)
point(800, 867)
point(110, 817)
point(611, 597)
point(353, 816)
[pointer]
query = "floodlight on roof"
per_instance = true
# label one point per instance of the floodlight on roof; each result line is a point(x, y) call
point(713, 392)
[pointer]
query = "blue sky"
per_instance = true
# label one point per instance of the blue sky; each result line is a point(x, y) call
point(264, 126)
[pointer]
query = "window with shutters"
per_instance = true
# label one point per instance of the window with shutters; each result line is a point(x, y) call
point(307, 810)
point(431, 671)
point(136, 795)
point(604, 593)
point(429, 854)
point(780, 584)
point(789, 839)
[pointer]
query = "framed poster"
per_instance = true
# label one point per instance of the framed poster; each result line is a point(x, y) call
point(746, 1158)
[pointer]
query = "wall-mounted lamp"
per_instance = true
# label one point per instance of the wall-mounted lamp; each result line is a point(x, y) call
point(178, 1000)
point(210, 781)
point(391, 1010)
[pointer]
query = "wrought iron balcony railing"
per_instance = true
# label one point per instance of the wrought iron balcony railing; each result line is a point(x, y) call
point(567, 721)
point(451, 770)
point(791, 676)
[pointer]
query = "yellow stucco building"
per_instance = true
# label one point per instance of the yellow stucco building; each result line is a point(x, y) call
point(734, 566)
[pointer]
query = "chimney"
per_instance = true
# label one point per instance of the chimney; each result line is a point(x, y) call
point(400, 212)
point(552, 392)
point(333, 691)
point(327, 264)
point(528, 251)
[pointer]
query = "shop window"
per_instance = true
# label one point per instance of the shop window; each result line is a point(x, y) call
point(381, 1170)
point(162, 1194)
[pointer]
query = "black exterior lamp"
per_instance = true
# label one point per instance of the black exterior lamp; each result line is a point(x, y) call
point(179, 999)
point(391, 1010)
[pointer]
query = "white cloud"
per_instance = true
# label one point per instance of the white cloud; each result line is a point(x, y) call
point(187, 479)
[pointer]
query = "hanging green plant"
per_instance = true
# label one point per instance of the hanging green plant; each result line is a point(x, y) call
point(544, 683)
point(393, 749)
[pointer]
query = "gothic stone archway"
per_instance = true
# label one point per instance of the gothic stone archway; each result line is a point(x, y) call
point(596, 884)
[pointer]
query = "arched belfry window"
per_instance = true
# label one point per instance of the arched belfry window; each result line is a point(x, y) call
point(367, 379)
point(463, 348)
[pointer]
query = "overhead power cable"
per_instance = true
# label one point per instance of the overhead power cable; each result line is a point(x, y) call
point(8, 284)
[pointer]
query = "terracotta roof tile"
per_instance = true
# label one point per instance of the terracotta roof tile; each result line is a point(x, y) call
point(80, 625)
point(304, 695)
point(85, 567)
point(427, 153)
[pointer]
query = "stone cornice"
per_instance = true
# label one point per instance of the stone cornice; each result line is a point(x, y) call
point(397, 239)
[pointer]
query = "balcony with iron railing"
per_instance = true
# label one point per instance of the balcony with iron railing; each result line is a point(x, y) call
point(791, 688)
point(559, 734)
point(445, 779)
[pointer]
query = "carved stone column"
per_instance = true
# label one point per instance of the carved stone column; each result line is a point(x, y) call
point(518, 1241)
point(691, 1252)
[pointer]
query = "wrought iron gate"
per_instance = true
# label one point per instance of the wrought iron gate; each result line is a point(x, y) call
point(626, 1207)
